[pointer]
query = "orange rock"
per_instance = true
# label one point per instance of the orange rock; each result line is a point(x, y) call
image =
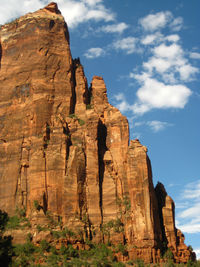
point(65, 149)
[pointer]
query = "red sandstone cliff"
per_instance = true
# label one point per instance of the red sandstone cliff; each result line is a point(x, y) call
point(64, 146)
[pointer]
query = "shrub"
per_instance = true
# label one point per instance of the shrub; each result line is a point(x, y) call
point(72, 116)
point(139, 263)
point(190, 248)
point(122, 248)
point(21, 212)
point(6, 250)
point(3, 220)
point(168, 254)
point(13, 222)
point(36, 205)
point(29, 237)
point(44, 246)
point(81, 122)
point(88, 106)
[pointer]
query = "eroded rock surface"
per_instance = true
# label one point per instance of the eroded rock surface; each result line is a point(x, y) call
point(64, 147)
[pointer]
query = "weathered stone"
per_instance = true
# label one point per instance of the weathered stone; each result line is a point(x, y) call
point(172, 237)
point(64, 148)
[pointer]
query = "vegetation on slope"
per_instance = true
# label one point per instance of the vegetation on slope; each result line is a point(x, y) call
point(60, 251)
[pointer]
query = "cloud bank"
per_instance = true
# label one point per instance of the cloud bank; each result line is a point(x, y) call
point(74, 12)
point(166, 69)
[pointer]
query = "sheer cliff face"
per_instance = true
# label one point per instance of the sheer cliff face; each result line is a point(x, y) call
point(64, 146)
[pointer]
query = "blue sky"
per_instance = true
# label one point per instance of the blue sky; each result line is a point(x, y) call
point(148, 53)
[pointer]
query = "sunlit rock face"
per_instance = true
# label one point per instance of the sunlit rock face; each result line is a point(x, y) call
point(63, 146)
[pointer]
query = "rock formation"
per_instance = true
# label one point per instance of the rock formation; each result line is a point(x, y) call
point(64, 147)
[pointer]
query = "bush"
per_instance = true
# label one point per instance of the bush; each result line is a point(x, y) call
point(88, 106)
point(6, 250)
point(3, 220)
point(26, 249)
point(139, 263)
point(72, 116)
point(81, 122)
point(168, 254)
point(13, 222)
point(122, 248)
point(21, 212)
point(36, 205)
point(44, 246)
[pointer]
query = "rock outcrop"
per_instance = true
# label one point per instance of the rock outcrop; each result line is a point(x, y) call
point(64, 147)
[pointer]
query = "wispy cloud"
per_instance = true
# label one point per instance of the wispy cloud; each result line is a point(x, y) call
point(128, 45)
point(177, 24)
point(114, 28)
point(153, 22)
point(189, 216)
point(159, 20)
point(195, 55)
point(158, 126)
point(155, 125)
point(94, 52)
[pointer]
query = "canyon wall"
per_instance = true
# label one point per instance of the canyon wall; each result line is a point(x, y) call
point(64, 147)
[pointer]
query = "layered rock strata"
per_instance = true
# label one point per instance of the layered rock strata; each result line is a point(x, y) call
point(64, 147)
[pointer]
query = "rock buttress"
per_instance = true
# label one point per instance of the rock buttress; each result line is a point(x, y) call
point(172, 237)
point(36, 86)
point(144, 228)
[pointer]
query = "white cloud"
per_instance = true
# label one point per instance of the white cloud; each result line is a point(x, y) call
point(115, 28)
point(154, 94)
point(177, 24)
point(12, 9)
point(156, 21)
point(154, 125)
point(190, 228)
point(168, 51)
point(92, 2)
point(172, 38)
point(151, 38)
point(170, 63)
point(123, 105)
point(94, 52)
point(187, 72)
point(74, 12)
point(157, 37)
point(195, 55)
point(127, 44)
point(161, 65)
point(163, 75)
point(157, 126)
point(83, 11)
point(197, 251)
point(189, 216)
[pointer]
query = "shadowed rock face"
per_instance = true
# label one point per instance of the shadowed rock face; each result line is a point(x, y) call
point(64, 146)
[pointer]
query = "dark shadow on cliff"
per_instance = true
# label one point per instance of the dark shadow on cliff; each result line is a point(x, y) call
point(161, 197)
point(0, 54)
point(102, 134)
point(6, 249)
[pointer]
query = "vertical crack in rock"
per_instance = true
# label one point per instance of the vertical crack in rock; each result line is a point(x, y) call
point(161, 197)
point(75, 64)
point(46, 140)
point(0, 53)
point(68, 144)
point(22, 183)
point(101, 136)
